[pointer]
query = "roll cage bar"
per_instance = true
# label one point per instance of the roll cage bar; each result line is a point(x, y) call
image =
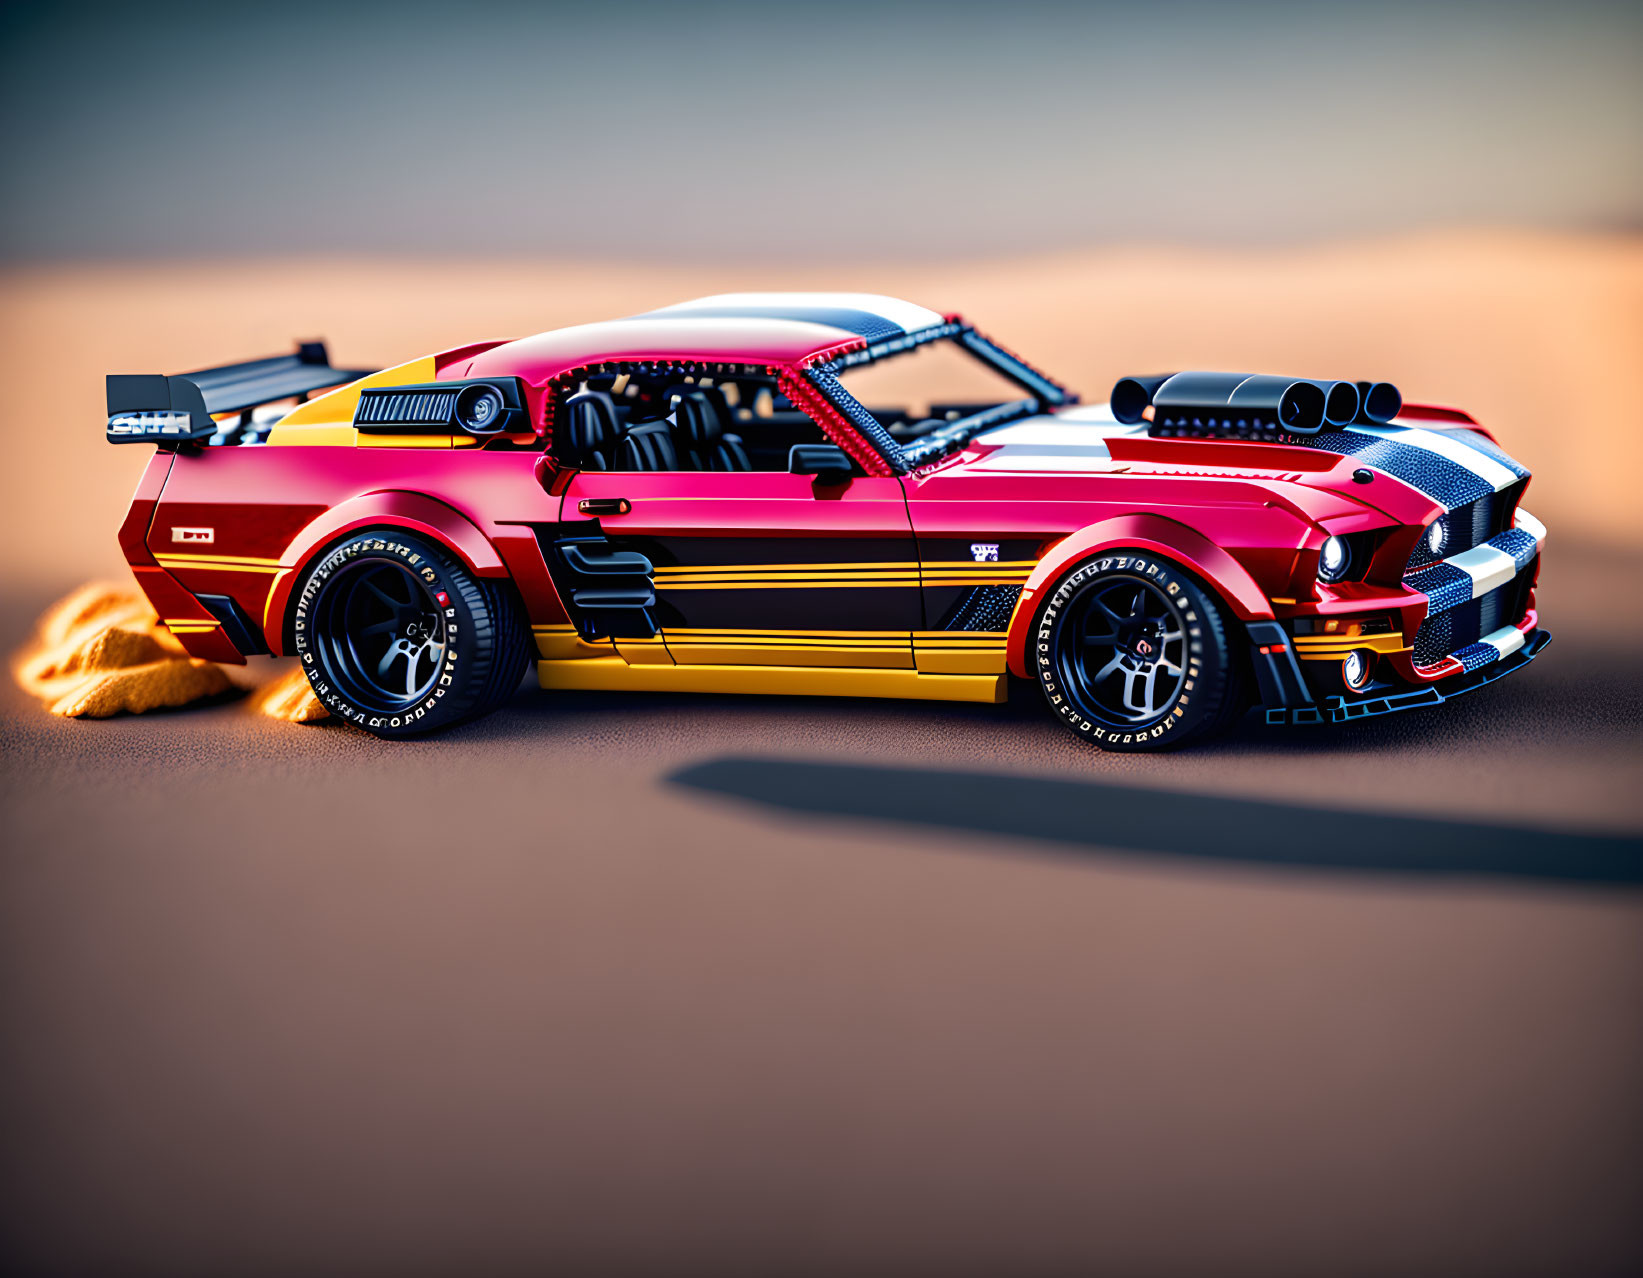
point(905, 456)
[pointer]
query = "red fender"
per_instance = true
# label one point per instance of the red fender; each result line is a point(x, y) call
point(1165, 537)
point(413, 512)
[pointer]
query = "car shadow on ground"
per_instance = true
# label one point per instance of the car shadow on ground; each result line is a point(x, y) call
point(1080, 816)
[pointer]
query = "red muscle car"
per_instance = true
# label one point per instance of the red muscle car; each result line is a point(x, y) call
point(720, 497)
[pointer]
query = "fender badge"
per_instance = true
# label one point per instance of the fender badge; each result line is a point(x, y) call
point(984, 552)
point(198, 536)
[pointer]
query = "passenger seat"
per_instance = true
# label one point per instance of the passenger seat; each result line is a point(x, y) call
point(647, 446)
point(700, 413)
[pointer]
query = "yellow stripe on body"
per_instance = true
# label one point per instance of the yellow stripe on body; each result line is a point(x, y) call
point(719, 645)
point(329, 419)
point(718, 632)
point(185, 557)
point(219, 565)
point(755, 578)
point(1335, 647)
point(614, 674)
point(833, 583)
point(665, 569)
point(839, 581)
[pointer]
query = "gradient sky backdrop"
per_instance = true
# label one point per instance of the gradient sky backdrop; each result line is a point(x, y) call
point(821, 130)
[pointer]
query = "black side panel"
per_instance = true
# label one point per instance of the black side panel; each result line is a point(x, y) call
point(239, 629)
point(973, 582)
point(608, 592)
point(1277, 672)
point(785, 582)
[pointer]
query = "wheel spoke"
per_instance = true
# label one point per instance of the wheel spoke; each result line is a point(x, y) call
point(1123, 653)
point(1113, 619)
point(1148, 680)
point(1115, 664)
point(395, 650)
point(379, 627)
point(381, 594)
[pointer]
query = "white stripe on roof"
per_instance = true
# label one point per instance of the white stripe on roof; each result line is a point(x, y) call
point(907, 316)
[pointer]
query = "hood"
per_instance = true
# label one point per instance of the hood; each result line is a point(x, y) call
point(1434, 470)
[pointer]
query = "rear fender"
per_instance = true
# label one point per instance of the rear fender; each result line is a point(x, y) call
point(1165, 537)
point(412, 512)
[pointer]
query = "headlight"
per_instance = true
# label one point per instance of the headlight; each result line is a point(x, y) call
point(1334, 559)
point(1437, 537)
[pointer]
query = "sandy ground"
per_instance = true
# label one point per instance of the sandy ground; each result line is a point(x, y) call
point(591, 987)
point(614, 984)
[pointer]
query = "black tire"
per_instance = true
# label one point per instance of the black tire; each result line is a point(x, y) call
point(399, 638)
point(1134, 653)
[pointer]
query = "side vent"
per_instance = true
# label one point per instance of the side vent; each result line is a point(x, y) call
point(492, 406)
point(405, 408)
point(610, 591)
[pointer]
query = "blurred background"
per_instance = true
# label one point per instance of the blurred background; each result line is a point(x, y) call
point(656, 132)
point(539, 997)
point(1444, 195)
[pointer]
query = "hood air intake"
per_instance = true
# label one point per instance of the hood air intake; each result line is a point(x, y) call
point(1250, 407)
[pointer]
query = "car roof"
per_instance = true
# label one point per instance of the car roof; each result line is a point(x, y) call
point(762, 328)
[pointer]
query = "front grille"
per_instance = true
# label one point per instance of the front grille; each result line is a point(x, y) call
point(1471, 525)
point(1450, 631)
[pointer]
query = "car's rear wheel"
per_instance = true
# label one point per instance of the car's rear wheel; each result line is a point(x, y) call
point(399, 638)
point(1133, 653)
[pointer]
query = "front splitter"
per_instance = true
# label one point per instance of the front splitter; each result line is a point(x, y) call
point(1340, 709)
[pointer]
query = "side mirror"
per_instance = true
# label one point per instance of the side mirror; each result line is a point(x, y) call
point(829, 463)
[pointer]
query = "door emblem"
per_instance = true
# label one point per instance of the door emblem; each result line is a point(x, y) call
point(984, 552)
point(198, 536)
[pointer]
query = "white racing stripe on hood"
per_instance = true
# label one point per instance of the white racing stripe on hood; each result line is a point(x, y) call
point(1064, 443)
point(1447, 446)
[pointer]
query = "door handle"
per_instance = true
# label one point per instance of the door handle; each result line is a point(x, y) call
point(604, 506)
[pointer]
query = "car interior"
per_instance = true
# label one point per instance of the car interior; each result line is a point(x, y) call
point(640, 421)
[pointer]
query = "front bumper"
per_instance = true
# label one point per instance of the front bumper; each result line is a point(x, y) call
point(1340, 709)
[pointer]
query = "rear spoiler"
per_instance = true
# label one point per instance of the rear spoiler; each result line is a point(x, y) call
point(152, 408)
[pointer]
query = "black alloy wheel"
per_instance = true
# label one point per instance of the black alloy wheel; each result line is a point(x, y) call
point(1132, 653)
point(398, 637)
point(382, 634)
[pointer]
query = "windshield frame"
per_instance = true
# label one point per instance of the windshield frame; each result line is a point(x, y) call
point(1043, 393)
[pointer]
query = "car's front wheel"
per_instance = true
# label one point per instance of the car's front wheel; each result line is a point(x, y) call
point(1133, 653)
point(399, 638)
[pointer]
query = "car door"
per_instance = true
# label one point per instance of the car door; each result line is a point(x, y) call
point(751, 568)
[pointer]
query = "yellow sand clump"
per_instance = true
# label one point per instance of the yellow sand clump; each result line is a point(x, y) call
point(290, 697)
point(103, 650)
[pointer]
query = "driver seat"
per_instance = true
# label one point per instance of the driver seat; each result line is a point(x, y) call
point(591, 427)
